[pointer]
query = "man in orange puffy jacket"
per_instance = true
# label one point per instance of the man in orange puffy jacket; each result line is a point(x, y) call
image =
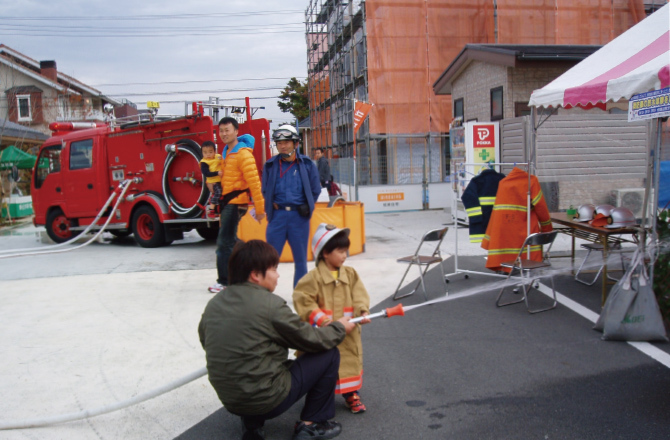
point(240, 180)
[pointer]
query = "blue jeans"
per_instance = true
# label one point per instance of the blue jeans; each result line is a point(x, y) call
point(225, 241)
point(291, 226)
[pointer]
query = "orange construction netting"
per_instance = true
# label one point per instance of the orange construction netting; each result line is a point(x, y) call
point(410, 44)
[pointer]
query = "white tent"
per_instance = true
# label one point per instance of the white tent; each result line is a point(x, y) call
point(637, 61)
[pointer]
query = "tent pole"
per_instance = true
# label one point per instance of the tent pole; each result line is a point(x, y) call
point(656, 186)
point(530, 160)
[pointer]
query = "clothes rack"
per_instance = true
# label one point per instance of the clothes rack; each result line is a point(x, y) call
point(455, 201)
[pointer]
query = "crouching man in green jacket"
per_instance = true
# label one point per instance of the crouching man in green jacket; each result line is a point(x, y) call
point(246, 332)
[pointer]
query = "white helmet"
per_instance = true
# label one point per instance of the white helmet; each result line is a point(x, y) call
point(621, 218)
point(285, 132)
point(585, 213)
point(604, 210)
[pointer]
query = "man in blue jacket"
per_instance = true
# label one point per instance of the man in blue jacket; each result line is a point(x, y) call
point(290, 187)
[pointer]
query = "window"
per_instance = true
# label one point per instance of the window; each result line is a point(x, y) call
point(64, 110)
point(497, 103)
point(48, 162)
point(458, 108)
point(23, 107)
point(521, 109)
point(81, 154)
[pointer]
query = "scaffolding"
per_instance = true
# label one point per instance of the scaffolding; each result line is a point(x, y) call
point(337, 72)
point(391, 52)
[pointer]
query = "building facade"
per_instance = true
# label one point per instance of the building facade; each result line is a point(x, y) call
point(391, 54)
point(36, 94)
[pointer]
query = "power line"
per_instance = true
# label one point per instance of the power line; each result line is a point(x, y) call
point(204, 101)
point(63, 28)
point(153, 17)
point(194, 81)
point(194, 91)
point(154, 35)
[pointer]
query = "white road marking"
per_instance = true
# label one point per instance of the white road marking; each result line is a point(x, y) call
point(645, 347)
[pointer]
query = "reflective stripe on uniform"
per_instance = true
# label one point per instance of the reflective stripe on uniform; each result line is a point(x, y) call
point(476, 238)
point(522, 208)
point(474, 211)
point(487, 201)
point(349, 384)
point(537, 198)
point(318, 316)
point(513, 251)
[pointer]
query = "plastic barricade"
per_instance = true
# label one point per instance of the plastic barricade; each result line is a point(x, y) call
point(343, 215)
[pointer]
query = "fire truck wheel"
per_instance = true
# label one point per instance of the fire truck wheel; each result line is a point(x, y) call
point(148, 230)
point(209, 234)
point(58, 227)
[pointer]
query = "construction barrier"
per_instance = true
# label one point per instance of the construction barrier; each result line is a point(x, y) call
point(343, 215)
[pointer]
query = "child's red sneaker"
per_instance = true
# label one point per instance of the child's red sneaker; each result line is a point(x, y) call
point(353, 401)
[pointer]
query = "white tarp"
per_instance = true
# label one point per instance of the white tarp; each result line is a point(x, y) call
point(637, 61)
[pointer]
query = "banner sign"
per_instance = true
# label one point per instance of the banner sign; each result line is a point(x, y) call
point(361, 110)
point(650, 105)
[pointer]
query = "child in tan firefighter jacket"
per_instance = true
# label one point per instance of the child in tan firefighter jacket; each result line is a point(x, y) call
point(327, 293)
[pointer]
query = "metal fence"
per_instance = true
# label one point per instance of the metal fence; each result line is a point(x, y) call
point(395, 160)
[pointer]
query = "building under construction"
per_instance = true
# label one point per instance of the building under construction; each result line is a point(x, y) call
point(390, 53)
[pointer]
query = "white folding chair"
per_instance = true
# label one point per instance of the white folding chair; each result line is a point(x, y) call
point(434, 236)
point(597, 247)
point(528, 269)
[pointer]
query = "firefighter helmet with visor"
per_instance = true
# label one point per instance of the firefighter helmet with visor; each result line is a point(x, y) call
point(285, 133)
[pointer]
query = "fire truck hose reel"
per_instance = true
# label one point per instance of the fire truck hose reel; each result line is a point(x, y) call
point(184, 146)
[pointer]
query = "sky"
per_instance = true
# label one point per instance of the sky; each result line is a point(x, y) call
point(167, 51)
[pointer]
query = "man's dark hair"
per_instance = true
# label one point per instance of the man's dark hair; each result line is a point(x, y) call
point(339, 241)
point(252, 256)
point(209, 144)
point(229, 120)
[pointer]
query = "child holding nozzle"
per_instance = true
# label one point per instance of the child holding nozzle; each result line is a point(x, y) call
point(329, 292)
point(210, 166)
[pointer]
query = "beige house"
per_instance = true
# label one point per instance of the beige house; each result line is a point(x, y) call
point(35, 93)
point(489, 82)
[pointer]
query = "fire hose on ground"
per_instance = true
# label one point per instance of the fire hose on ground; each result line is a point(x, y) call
point(46, 421)
point(120, 191)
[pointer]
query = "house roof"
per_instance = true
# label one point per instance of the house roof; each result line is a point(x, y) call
point(508, 55)
point(305, 124)
point(14, 130)
point(31, 67)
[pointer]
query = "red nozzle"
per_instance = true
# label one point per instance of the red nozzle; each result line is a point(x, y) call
point(395, 311)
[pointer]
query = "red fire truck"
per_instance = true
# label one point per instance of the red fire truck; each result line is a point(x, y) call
point(82, 164)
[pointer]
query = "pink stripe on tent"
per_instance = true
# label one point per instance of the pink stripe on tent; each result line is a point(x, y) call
point(596, 89)
point(664, 76)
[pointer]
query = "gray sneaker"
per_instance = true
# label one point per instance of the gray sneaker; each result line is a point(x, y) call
point(316, 431)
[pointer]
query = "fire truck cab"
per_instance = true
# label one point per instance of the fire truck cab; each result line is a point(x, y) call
point(82, 164)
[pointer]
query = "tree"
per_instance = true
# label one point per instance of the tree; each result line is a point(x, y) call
point(294, 99)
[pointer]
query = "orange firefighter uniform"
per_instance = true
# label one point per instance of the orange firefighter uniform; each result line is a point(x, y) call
point(507, 227)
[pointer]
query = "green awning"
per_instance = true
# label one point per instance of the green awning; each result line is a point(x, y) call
point(12, 156)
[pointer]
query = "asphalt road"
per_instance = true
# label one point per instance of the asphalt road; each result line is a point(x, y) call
point(461, 369)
